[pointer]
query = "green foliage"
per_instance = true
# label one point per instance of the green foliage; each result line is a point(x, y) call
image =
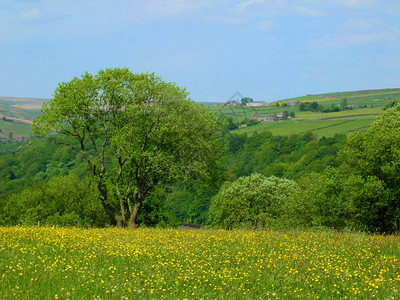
point(315, 106)
point(156, 133)
point(370, 200)
point(390, 104)
point(376, 153)
point(333, 199)
point(283, 156)
point(189, 203)
point(321, 201)
point(253, 201)
point(63, 201)
point(343, 104)
point(245, 100)
point(23, 164)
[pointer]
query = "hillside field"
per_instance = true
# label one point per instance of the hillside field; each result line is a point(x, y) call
point(23, 110)
point(322, 124)
point(74, 263)
point(16, 115)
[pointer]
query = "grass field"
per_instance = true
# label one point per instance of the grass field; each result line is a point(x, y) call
point(22, 111)
point(71, 263)
point(322, 124)
point(17, 129)
point(327, 128)
point(361, 97)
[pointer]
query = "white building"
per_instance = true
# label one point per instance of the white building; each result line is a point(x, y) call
point(257, 103)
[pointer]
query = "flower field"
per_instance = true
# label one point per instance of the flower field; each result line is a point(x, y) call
point(72, 263)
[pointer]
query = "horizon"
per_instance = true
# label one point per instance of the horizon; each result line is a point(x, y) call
point(266, 49)
point(305, 95)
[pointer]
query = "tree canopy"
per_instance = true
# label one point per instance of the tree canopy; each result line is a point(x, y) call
point(246, 100)
point(146, 127)
point(377, 153)
point(250, 201)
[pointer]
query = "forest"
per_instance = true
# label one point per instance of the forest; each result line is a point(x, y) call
point(257, 180)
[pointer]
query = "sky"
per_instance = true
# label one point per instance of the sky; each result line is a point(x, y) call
point(263, 49)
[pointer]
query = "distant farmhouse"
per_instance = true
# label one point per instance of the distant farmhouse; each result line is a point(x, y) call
point(352, 105)
point(232, 103)
point(269, 117)
point(264, 117)
point(257, 103)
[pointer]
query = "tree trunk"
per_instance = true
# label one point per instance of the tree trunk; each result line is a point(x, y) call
point(101, 187)
point(133, 217)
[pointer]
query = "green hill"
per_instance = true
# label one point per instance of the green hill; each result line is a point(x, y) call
point(16, 115)
point(368, 105)
point(362, 97)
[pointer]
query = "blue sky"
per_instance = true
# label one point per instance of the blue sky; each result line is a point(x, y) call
point(265, 49)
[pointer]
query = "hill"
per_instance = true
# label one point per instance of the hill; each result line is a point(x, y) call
point(359, 96)
point(368, 105)
point(16, 115)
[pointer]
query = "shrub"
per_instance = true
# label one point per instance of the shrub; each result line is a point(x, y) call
point(252, 201)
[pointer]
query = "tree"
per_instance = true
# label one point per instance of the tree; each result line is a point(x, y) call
point(65, 201)
point(343, 104)
point(250, 201)
point(376, 153)
point(321, 201)
point(390, 104)
point(245, 100)
point(145, 126)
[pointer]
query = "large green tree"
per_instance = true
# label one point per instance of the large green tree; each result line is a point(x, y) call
point(145, 126)
point(377, 153)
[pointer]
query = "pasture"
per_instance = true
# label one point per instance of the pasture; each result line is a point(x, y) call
point(321, 124)
point(370, 103)
point(73, 263)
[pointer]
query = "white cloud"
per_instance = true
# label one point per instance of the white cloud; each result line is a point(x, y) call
point(30, 14)
point(148, 10)
point(353, 3)
point(244, 4)
point(227, 20)
point(307, 11)
point(361, 24)
point(363, 38)
point(355, 39)
point(87, 17)
point(264, 25)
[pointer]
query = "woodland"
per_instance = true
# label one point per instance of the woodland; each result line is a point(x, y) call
point(210, 175)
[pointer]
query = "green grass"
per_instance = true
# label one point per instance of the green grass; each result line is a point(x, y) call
point(71, 263)
point(17, 129)
point(353, 96)
point(321, 124)
point(321, 128)
point(8, 110)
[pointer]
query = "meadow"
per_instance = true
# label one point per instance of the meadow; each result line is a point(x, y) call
point(321, 124)
point(370, 104)
point(76, 263)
